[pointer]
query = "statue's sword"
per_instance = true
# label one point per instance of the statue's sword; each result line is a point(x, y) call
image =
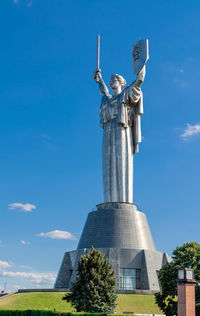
point(98, 53)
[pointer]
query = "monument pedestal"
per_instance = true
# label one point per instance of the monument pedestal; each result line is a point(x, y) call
point(121, 232)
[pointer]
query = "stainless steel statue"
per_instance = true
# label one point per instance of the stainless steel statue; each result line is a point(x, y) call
point(121, 120)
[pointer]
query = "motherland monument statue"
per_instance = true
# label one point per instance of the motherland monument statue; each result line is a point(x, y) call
point(121, 120)
point(117, 227)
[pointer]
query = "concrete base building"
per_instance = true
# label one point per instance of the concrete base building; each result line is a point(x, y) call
point(121, 232)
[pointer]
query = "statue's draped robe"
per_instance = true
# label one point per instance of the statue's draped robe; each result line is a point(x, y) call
point(120, 119)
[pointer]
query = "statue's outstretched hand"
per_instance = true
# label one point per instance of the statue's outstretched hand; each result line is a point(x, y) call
point(97, 75)
point(141, 74)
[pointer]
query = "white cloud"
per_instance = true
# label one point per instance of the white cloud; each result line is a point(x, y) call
point(14, 288)
point(5, 264)
point(23, 242)
point(58, 234)
point(1, 244)
point(24, 207)
point(190, 130)
point(35, 277)
point(180, 83)
point(24, 266)
point(29, 4)
point(45, 136)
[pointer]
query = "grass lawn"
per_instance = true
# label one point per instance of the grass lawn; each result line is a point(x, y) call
point(38, 300)
point(137, 303)
point(50, 301)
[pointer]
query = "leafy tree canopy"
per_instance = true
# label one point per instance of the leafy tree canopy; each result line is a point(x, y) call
point(186, 256)
point(94, 288)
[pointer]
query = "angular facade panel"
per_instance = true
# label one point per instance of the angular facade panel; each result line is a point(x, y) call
point(122, 233)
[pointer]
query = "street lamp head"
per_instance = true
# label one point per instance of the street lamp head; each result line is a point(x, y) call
point(181, 274)
point(185, 275)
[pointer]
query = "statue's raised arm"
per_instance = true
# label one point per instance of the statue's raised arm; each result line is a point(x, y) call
point(102, 86)
point(132, 93)
point(141, 76)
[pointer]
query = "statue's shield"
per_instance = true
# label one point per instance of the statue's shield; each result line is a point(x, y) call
point(140, 55)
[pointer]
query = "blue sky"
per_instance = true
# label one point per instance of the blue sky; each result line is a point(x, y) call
point(50, 138)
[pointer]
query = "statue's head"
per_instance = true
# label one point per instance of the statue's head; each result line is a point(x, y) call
point(117, 81)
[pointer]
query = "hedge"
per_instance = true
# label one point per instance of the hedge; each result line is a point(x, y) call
point(50, 313)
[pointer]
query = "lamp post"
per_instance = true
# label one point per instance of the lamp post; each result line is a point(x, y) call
point(186, 292)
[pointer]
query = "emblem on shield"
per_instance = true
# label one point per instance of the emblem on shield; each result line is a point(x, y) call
point(140, 55)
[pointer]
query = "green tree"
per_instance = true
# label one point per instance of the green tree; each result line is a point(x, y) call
point(186, 256)
point(94, 288)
